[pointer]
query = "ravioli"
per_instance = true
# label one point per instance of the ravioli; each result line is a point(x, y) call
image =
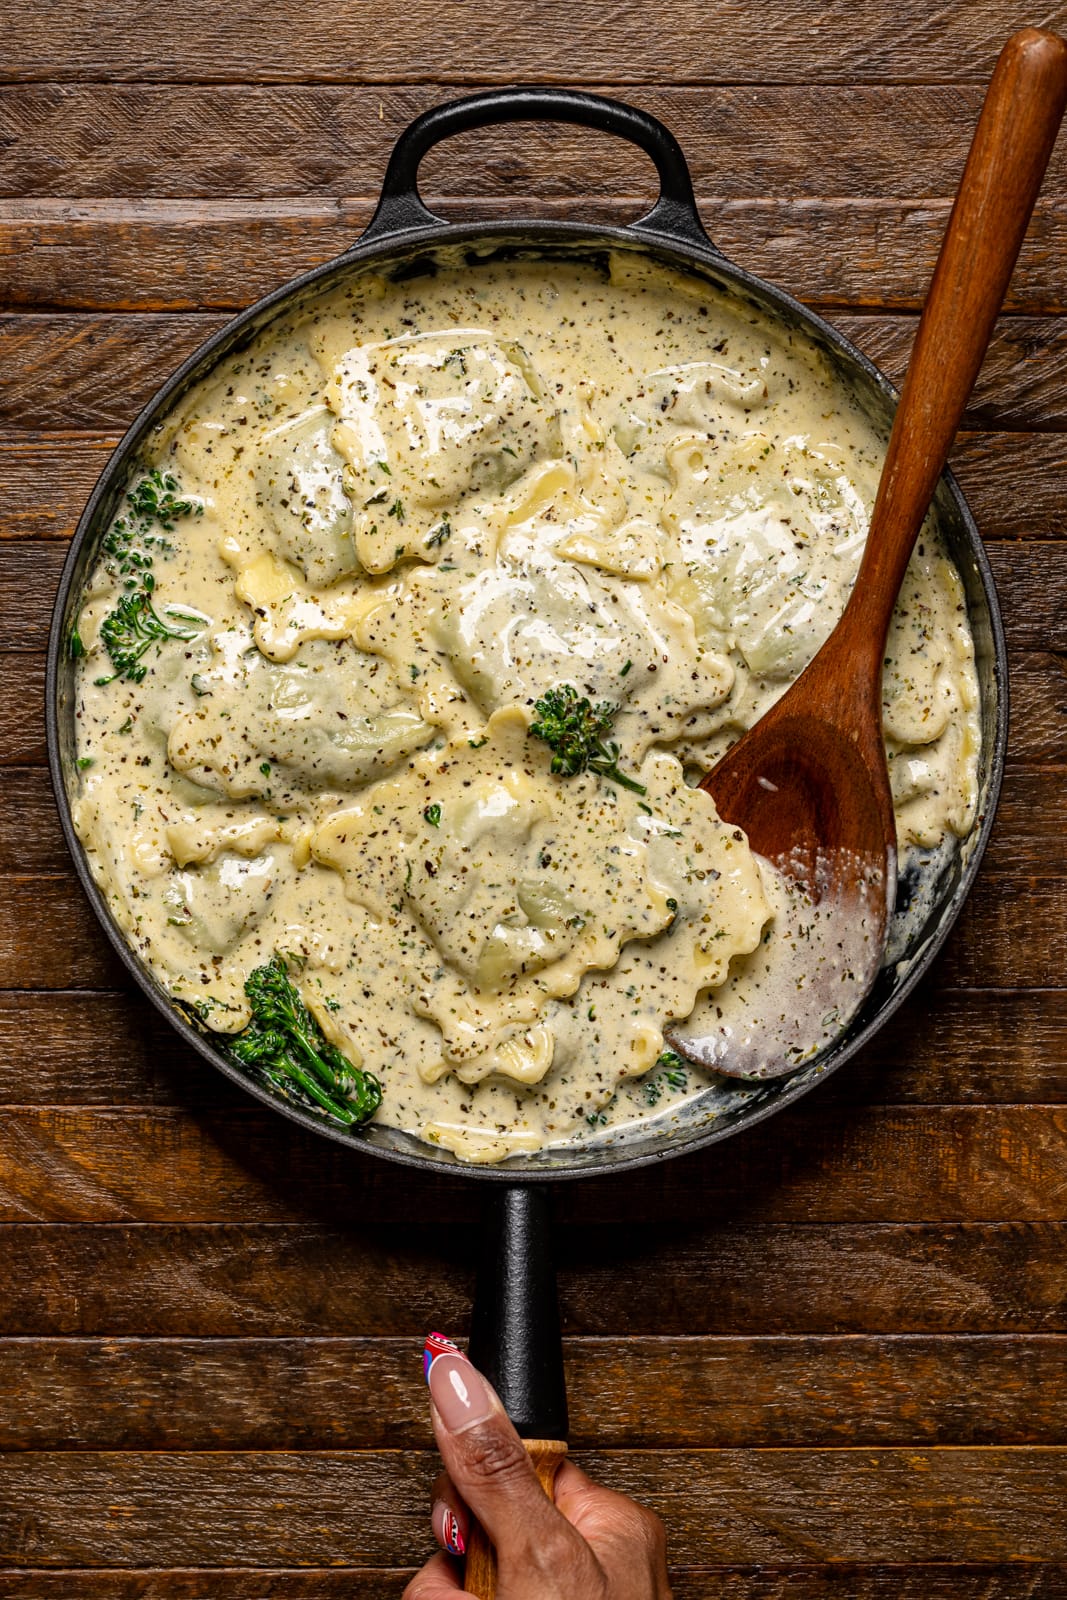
point(300, 484)
point(424, 421)
point(426, 508)
point(332, 719)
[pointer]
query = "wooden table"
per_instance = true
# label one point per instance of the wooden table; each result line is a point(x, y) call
point(831, 1353)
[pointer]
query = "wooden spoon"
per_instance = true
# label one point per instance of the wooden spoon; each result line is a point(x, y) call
point(809, 783)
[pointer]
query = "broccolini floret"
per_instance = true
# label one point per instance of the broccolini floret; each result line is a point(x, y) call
point(130, 544)
point(156, 498)
point(286, 1045)
point(574, 730)
point(129, 550)
point(130, 630)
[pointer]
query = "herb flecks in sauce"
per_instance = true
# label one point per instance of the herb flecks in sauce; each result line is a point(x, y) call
point(424, 519)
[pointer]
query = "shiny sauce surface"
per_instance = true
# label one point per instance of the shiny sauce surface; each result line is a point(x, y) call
point(420, 507)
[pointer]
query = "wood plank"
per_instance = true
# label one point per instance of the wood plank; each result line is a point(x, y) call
point(1001, 941)
point(145, 1062)
point(1038, 725)
point(1038, 710)
point(137, 255)
point(862, 1164)
point(22, 739)
point(87, 371)
point(1021, 1581)
point(1023, 381)
point(315, 1394)
point(831, 43)
point(662, 1277)
point(68, 950)
point(304, 1279)
point(47, 481)
point(94, 371)
point(104, 141)
point(1031, 825)
point(221, 1508)
point(1030, 834)
point(1030, 574)
point(991, 947)
point(329, 1583)
point(988, 1047)
point(1015, 483)
point(1044, 1581)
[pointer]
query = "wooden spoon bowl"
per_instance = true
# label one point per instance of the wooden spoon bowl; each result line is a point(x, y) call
point(809, 783)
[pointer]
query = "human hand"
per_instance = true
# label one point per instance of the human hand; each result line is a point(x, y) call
point(592, 1544)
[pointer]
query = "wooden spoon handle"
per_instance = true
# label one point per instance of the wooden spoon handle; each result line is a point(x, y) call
point(480, 1575)
point(1011, 148)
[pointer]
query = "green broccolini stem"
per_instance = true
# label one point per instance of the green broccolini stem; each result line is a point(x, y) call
point(574, 730)
point(285, 1043)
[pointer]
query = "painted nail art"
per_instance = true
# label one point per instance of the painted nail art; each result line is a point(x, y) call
point(437, 1345)
point(451, 1534)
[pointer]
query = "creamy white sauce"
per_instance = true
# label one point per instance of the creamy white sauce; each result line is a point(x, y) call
point(800, 988)
point(426, 504)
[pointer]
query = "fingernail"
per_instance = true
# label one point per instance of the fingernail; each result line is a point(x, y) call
point(436, 1345)
point(446, 1528)
point(459, 1392)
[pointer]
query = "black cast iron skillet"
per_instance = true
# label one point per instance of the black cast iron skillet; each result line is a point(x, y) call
point(515, 1330)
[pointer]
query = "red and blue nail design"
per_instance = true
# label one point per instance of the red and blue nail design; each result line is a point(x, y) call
point(437, 1345)
point(455, 1543)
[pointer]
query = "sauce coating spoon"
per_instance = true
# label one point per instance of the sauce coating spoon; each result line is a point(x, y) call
point(809, 782)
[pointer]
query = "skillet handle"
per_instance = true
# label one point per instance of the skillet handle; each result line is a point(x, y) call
point(515, 1341)
point(401, 209)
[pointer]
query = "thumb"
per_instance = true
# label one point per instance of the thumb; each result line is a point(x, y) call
point(485, 1458)
point(436, 1581)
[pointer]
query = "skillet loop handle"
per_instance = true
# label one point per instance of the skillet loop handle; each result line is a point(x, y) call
point(401, 210)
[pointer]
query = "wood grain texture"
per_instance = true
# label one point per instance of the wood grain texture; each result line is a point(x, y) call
point(314, 1394)
point(109, 141)
point(220, 1509)
point(86, 255)
point(844, 1335)
point(329, 1583)
point(680, 1274)
point(868, 1163)
point(989, 1581)
point(987, 1048)
point(194, 42)
point(92, 371)
point(920, 1582)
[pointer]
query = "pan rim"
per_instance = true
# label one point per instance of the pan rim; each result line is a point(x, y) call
point(524, 232)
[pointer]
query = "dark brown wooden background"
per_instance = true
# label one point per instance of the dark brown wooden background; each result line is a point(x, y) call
point(831, 1353)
